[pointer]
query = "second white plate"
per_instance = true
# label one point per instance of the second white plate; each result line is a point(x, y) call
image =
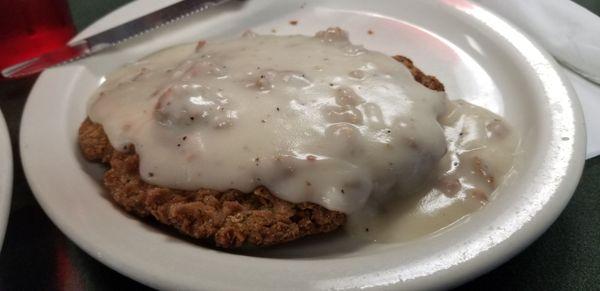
point(6, 177)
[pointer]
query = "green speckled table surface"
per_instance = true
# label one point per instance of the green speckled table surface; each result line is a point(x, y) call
point(36, 255)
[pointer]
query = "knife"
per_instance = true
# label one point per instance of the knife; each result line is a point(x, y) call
point(110, 37)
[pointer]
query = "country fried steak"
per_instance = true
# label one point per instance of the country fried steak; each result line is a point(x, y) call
point(231, 218)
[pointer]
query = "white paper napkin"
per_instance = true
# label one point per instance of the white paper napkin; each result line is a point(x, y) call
point(572, 35)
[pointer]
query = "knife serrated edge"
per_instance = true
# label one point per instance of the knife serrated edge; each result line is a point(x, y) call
point(139, 26)
point(101, 46)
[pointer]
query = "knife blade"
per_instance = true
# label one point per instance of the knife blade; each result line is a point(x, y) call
point(110, 37)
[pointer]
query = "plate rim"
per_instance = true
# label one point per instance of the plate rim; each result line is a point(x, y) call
point(503, 252)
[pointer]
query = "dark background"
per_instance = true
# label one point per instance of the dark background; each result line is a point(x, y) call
point(36, 255)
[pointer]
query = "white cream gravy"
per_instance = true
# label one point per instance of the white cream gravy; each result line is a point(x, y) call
point(311, 118)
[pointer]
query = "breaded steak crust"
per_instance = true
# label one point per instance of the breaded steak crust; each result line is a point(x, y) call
point(231, 218)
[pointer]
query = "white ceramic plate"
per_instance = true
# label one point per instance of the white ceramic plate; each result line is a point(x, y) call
point(6, 176)
point(477, 55)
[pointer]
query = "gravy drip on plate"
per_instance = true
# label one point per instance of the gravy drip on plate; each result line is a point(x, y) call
point(481, 154)
point(311, 118)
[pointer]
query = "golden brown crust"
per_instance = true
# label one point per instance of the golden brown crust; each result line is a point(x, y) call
point(428, 81)
point(230, 218)
point(93, 142)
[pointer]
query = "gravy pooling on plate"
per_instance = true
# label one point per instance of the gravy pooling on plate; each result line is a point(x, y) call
point(481, 149)
point(313, 119)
